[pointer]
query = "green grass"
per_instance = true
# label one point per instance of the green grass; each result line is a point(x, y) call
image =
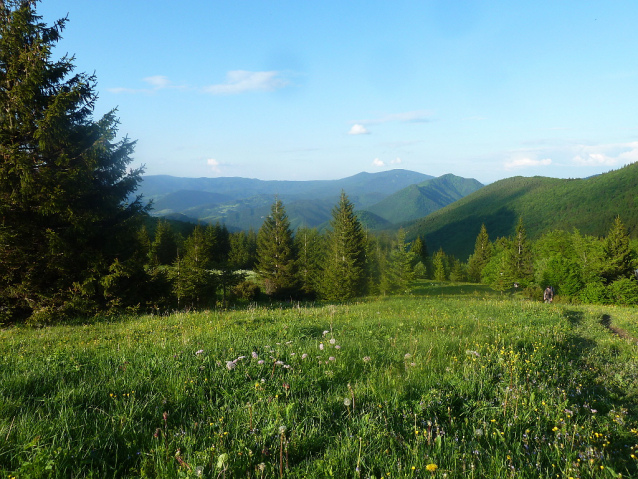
point(477, 384)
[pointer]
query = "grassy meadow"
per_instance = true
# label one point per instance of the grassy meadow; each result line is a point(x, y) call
point(451, 381)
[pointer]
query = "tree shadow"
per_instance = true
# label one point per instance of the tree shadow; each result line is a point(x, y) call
point(574, 317)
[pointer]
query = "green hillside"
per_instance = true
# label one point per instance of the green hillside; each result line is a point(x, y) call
point(590, 205)
point(417, 201)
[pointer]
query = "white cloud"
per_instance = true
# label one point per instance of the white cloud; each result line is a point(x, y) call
point(607, 155)
point(239, 81)
point(157, 82)
point(358, 130)
point(214, 164)
point(416, 116)
point(377, 162)
point(396, 162)
point(526, 162)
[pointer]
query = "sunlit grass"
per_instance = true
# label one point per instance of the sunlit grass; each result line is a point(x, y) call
point(453, 382)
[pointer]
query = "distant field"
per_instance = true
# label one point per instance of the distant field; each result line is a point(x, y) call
point(453, 381)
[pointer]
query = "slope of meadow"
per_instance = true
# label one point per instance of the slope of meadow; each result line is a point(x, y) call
point(447, 382)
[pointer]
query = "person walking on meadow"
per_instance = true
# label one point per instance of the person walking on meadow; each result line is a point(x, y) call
point(548, 295)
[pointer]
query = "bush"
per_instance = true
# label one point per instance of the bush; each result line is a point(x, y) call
point(246, 291)
point(594, 293)
point(623, 291)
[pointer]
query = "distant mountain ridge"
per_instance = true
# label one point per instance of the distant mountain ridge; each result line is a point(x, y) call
point(589, 204)
point(417, 201)
point(242, 203)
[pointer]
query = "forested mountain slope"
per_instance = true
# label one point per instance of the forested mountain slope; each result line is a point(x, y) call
point(417, 201)
point(590, 205)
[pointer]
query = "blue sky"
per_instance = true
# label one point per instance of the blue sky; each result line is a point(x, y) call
point(299, 90)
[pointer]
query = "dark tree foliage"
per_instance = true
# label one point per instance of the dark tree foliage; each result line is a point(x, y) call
point(163, 250)
point(67, 232)
point(277, 265)
point(345, 272)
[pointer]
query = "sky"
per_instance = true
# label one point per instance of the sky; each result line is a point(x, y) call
point(300, 90)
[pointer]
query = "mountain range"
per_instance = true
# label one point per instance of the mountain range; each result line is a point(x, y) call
point(382, 199)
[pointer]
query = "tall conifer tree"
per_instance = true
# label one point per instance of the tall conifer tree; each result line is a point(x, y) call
point(481, 256)
point(345, 272)
point(276, 257)
point(65, 221)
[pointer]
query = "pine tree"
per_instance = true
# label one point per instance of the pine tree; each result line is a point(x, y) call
point(276, 256)
point(481, 256)
point(619, 258)
point(309, 246)
point(439, 263)
point(66, 223)
point(345, 274)
point(164, 248)
point(398, 271)
point(194, 282)
point(519, 257)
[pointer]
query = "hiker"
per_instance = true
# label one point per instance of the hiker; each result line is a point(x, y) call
point(548, 295)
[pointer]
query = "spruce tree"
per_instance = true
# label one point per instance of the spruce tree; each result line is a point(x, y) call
point(67, 228)
point(619, 258)
point(519, 257)
point(345, 274)
point(163, 250)
point(481, 256)
point(193, 281)
point(309, 246)
point(276, 256)
point(398, 272)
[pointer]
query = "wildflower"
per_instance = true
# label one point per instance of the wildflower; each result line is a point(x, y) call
point(331, 358)
point(199, 352)
point(240, 357)
point(230, 365)
point(304, 356)
point(337, 347)
point(279, 363)
point(255, 355)
point(366, 359)
point(333, 340)
point(325, 332)
point(346, 402)
point(282, 429)
point(407, 356)
point(432, 467)
point(261, 361)
point(321, 346)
